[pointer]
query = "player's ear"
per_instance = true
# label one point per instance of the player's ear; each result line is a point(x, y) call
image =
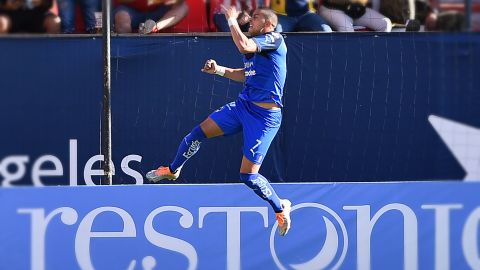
point(268, 24)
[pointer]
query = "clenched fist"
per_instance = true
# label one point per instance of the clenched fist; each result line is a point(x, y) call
point(210, 66)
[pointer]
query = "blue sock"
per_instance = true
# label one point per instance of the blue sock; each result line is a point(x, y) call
point(187, 148)
point(263, 189)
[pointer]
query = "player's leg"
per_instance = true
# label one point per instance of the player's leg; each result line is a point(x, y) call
point(220, 122)
point(259, 184)
point(191, 143)
point(258, 134)
point(188, 147)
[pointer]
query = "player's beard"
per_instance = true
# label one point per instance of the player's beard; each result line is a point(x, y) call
point(252, 32)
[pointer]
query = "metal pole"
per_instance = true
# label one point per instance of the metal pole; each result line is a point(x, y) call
point(468, 15)
point(107, 116)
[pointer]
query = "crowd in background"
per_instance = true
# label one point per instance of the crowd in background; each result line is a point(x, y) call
point(153, 16)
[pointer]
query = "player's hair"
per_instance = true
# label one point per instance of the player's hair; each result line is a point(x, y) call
point(269, 16)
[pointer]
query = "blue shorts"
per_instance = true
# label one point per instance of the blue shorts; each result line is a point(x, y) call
point(259, 126)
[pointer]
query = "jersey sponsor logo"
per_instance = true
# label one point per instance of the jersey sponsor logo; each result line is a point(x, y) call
point(248, 64)
point(255, 147)
point(250, 73)
point(263, 185)
point(192, 149)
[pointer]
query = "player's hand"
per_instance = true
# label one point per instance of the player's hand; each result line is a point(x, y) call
point(210, 66)
point(230, 12)
point(244, 18)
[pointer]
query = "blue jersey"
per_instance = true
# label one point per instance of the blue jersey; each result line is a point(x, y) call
point(266, 70)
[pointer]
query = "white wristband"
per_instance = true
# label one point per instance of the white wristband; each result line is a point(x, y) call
point(232, 22)
point(220, 71)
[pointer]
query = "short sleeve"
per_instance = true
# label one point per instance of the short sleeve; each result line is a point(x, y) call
point(268, 42)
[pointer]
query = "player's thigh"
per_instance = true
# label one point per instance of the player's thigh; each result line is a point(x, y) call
point(211, 128)
point(258, 134)
point(255, 145)
point(223, 121)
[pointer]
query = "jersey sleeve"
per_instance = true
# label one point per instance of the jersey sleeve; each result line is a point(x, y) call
point(268, 42)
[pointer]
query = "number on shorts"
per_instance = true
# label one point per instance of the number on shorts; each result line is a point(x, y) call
point(255, 146)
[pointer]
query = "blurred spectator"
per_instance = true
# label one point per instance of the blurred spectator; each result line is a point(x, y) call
point(28, 16)
point(67, 8)
point(342, 15)
point(401, 13)
point(297, 16)
point(439, 19)
point(398, 11)
point(245, 6)
point(422, 10)
point(155, 14)
point(449, 21)
point(435, 20)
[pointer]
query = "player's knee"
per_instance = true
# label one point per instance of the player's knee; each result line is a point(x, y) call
point(196, 134)
point(123, 22)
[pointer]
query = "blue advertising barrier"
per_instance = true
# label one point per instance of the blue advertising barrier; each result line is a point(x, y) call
point(358, 107)
point(428, 225)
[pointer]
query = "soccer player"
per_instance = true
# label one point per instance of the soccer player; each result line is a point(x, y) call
point(257, 110)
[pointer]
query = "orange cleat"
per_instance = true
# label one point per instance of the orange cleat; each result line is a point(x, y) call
point(283, 218)
point(162, 173)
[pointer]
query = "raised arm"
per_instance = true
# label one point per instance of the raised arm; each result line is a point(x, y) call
point(243, 43)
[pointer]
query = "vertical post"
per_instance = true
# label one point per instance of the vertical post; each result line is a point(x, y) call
point(468, 15)
point(107, 117)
